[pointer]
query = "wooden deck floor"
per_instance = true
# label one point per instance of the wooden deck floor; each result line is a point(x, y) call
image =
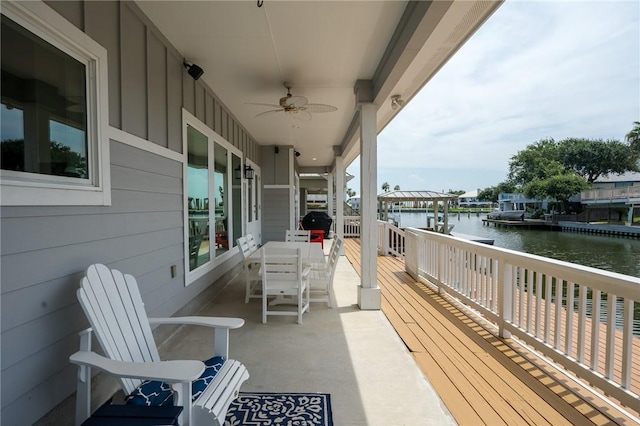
point(482, 379)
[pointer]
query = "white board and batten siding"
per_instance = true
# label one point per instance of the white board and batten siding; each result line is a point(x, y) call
point(46, 249)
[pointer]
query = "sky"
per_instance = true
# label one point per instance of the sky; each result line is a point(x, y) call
point(534, 70)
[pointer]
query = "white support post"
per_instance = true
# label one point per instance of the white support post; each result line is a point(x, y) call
point(368, 292)
point(339, 178)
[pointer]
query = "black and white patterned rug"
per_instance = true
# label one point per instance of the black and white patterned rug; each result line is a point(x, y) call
point(280, 409)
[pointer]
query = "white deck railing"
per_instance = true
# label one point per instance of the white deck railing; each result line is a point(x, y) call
point(390, 239)
point(527, 296)
point(352, 226)
point(626, 194)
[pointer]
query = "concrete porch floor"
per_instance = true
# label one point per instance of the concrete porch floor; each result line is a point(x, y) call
point(356, 356)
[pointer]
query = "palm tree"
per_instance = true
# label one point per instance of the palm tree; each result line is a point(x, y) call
point(633, 137)
point(385, 187)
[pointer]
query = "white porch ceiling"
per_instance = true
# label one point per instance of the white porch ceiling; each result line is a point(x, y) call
point(322, 48)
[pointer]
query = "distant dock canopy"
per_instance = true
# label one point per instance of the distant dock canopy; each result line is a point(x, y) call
point(439, 201)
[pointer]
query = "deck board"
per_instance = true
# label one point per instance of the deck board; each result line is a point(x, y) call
point(481, 378)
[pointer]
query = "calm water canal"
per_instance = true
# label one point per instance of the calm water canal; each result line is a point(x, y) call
point(610, 253)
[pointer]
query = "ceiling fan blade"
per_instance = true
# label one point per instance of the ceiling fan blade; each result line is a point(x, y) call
point(320, 108)
point(269, 105)
point(297, 101)
point(300, 114)
point(273, 111)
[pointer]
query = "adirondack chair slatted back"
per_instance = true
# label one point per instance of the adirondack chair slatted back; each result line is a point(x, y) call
point(112, 303)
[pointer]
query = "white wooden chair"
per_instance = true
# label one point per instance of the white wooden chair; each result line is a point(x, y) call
point(114, 308)
point(253, 246)
point(282, 275)
point(321, 277)
point(251, 271)
point(298, 235)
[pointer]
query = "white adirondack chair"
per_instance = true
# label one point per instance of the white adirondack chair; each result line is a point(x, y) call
point(321, 277)
point(112, 303)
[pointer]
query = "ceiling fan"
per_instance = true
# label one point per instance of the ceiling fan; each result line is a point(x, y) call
point(297, 107)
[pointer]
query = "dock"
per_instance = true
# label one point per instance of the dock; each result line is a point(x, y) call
point(526, 224)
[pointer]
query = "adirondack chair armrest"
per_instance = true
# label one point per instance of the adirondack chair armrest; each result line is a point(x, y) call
point(176, 371)
point(215, 322)
point(221, 326)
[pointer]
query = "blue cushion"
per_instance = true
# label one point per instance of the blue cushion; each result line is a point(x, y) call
point(153, 392)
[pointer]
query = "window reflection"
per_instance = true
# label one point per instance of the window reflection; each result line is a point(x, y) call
point(43, 111)
point(198, 198)
point(237, 198)
point(221, 182)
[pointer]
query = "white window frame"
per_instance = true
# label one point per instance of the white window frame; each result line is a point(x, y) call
point(33, 189)
point(189, 119)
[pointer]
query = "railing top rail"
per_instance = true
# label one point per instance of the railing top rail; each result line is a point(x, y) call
point(610, 282)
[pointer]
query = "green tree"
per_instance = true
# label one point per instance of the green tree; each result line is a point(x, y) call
point(456, 192)
point(396, 188)
point(385, 187)
point(560, 187)
point(350, 192)
point(592, 159)
point(536, 161)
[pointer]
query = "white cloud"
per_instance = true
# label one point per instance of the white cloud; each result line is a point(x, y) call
point(535, 70)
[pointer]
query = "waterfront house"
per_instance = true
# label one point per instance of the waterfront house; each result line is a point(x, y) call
point(150, 135)
point(470, 199)
point(619, 194)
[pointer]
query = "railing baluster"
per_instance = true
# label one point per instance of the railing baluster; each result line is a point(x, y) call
point(595, 329)
point(557, 326)
point(547, 309)
point(515, 271)
point(627, 343)
point(582, 320)
point(611, 336)
point(530, 299)
point(522, 275)
point(568, 333)
point(539, 277)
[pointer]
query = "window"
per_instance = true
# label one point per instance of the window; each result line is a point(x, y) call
point(213, 197)
point(52, 110)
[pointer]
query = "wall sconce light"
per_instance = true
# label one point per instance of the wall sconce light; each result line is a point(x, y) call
point(193, 70)
point(249, 173)
point(297, 153)
point(396, 102)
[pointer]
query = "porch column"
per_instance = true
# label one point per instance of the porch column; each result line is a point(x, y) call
point(368, 292)
point(339, 180)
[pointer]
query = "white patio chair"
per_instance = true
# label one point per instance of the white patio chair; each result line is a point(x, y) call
point(114, 308)
point(253, 246)
point(297, 235)
point(282, 275)
point(251, 271)
point(321, 277)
